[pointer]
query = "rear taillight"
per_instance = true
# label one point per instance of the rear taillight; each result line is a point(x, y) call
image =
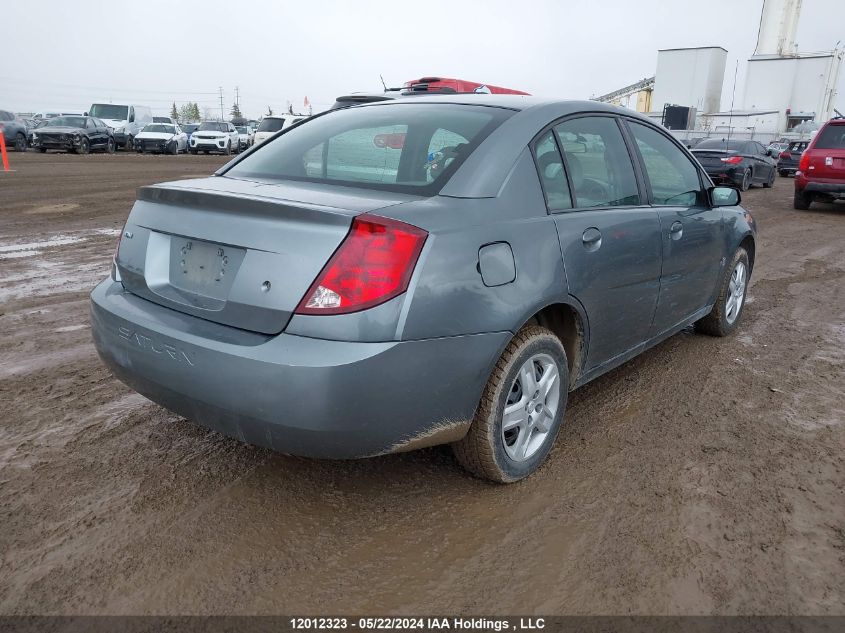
point(373, 264)
point(785, 155)
point(804, 162)
point(733, 160)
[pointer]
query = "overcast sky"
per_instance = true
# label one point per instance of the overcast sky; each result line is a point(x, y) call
point(70, 54)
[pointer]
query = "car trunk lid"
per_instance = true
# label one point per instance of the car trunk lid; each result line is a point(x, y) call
point(827, 156)
point(237, 252)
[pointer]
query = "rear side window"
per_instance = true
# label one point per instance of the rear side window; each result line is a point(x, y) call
point(411, 148)
point(831, 137)
point(597, 159)
point(673, 178)
point(552, 174)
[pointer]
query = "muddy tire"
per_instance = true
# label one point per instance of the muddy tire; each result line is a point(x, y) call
point(800, 201)
point(530, 383)
point(228, 150)
point(727, 311)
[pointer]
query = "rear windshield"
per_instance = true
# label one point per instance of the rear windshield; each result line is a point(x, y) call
point(831, 137)
point(411, 148)
point(721, 144)
point(271, 125)
point(798, 146)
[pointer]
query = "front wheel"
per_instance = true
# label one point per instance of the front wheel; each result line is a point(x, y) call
point(724, 317)
point(110, 146)
point(84, 146)
point(20, 143)
point(175, 149)
point(521, 409)
point(770, 181)
point(228, 150)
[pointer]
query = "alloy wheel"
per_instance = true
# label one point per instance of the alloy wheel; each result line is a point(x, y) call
point(531, 407)
point(736, 293)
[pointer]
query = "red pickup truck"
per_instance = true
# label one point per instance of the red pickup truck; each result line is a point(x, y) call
point(821, 170)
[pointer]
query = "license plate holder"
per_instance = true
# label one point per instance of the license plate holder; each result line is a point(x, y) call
point(200, 267)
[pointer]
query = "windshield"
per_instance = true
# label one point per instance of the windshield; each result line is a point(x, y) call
point(412, 148)
point(161, 119)
point(67, 121)
point(160, 127)
point(109, 111)
point(241, 129)
point(271, 125)
point(721, 144)
point(213, 126)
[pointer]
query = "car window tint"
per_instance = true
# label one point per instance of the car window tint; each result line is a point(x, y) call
point(831, 137)
point(673, 178)
point(552, 174)
point(89, 123)
point(598, 163)
point(366, 154)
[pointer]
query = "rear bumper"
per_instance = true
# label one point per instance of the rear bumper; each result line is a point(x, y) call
point(835, 189)
point(731, 176)
point(297, 395)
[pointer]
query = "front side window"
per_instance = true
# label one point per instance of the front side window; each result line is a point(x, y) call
point(674, 180)
point(597, 159)
point(552, 174)
point(406, 147)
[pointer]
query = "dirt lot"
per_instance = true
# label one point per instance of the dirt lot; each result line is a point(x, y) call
point(705, 476)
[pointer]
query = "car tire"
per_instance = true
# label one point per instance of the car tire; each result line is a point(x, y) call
point(175, 150)
point(110, 146)
point(129, 143)
point(730, 301)
point(784, 174)
point(800, 201)
point(488, 450)
point(228, 150)
point(84, 146)
point(43, 150)
point(20, 142)
point(770, 181)
point(746, 180)
point(193, 151)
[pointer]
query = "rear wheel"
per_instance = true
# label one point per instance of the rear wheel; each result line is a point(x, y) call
point(724, 317)
point(521, 409)
point(129, 142)
point(193, 151)
point(746, 180)
point(801, 201)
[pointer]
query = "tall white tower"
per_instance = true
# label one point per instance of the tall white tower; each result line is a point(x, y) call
point(778, 26)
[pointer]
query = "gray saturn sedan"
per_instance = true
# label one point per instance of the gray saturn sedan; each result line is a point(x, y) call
point(420, 271)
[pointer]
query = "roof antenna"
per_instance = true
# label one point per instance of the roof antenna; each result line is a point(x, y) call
point(384, 85)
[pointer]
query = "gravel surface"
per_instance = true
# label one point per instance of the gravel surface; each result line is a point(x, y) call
point(704, 476)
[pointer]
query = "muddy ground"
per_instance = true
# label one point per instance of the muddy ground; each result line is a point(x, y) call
point(705, 476)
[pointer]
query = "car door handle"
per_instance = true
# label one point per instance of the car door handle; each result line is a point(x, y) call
point(591, 238)
point(676, 230)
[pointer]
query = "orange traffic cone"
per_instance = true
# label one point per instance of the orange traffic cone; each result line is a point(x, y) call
point(3, 151)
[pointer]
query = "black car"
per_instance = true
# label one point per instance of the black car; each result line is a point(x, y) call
point(788, 158)
point(14, 130)
point(738, 163)
point(80, 134)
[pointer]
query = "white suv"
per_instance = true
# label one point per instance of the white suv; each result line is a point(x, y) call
point(215, 136)
point(271, 124)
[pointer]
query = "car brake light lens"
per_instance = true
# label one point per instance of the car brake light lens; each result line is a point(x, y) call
point(804, 162)
point(785, 155)
point(733, 160)
point(372, 265)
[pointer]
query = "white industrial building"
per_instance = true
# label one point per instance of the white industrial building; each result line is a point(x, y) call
point(783, 87)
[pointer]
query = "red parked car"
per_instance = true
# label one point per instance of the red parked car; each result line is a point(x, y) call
point(821, 170)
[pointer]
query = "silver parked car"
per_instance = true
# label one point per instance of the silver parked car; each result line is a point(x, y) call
point(416, 272)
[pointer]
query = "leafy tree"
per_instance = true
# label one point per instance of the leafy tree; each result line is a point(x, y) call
point(235, 112)
point(174, 113)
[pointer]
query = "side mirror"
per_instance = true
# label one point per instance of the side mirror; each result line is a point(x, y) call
point(724, 197)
